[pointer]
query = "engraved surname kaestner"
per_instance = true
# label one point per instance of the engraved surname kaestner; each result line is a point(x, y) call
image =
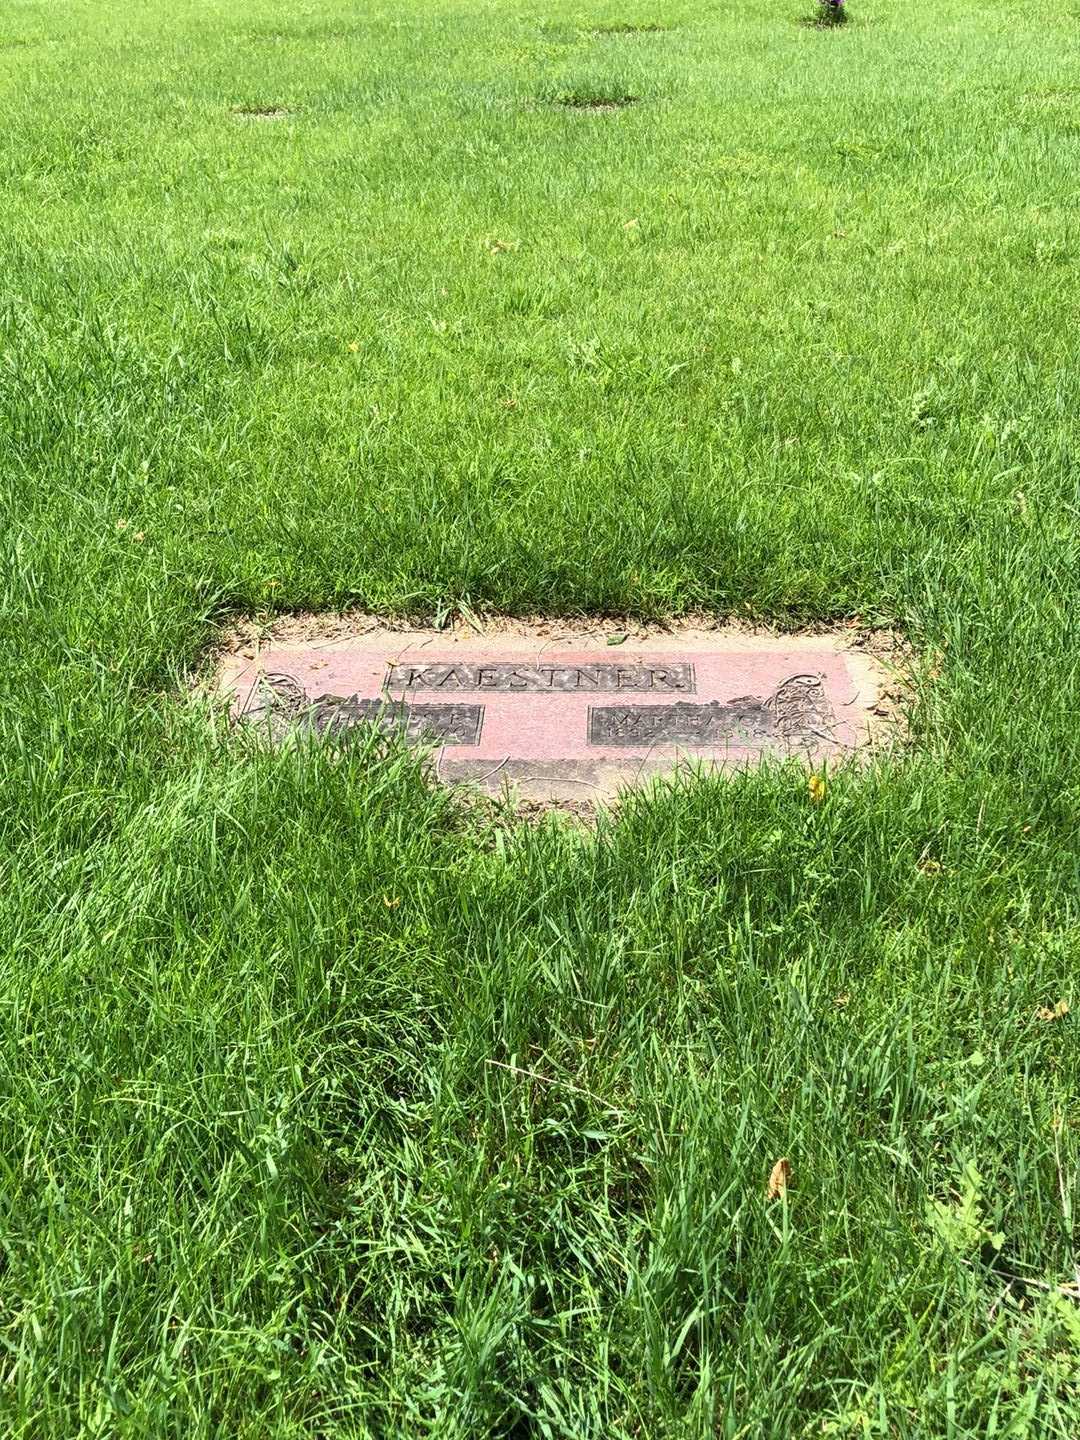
point(511, 676)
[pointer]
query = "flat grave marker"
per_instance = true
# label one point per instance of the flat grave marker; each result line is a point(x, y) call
point(569, 716)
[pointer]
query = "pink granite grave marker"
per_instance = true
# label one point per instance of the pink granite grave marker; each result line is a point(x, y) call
point(570, 717)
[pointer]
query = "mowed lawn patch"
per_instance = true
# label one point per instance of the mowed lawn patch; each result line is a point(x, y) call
point(333, 1104)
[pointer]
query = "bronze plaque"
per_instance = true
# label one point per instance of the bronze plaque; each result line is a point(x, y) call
point(797, 713)
point(281, 702)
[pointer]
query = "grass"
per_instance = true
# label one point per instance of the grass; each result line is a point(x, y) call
point(791, 337)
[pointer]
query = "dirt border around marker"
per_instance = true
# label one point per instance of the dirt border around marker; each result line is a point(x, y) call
point(303, 626)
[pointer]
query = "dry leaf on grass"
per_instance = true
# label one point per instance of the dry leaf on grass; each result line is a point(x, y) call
point(1056, 1012)
point(779, 1179)
point(817, 789)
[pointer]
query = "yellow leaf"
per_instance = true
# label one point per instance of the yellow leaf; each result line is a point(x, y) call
point(391, 904)
point(817, 789)
point(1056, 1012)
point(779, 1179)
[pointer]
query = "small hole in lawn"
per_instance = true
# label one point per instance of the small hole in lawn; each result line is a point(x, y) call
point(582, 100)
point(260, 112)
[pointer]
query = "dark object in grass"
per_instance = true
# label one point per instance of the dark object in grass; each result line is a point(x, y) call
point(579, 100)
point(625, 29)
point(260, 112)
point(831, 12)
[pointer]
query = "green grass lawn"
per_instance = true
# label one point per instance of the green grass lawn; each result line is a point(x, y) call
point(793, 336)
